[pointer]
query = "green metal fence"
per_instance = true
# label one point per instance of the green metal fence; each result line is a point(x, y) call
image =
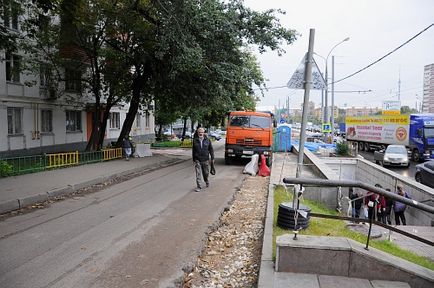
point(29, 164)
point(26, 164)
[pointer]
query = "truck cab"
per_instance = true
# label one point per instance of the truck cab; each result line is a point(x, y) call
point(249, 133)
point(421, 136)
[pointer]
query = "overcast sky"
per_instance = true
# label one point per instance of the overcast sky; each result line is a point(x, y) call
point(375, 28)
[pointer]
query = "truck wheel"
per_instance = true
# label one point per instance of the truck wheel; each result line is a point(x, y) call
point(361, 146)
point(228, 160)
point(415, 156)
point(367, 147)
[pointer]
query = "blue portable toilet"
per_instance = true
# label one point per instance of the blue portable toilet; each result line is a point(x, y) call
point(283, 138)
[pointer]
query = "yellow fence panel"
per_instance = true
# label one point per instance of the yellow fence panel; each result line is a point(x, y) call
point(112, 153)
point(62, 159)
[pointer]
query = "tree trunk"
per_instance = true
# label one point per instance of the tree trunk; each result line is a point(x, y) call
point(184, 128)
point(105, 117)
point(132, 111)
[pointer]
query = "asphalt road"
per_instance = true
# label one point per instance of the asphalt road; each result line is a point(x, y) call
point(404, 171)
point(138, 233)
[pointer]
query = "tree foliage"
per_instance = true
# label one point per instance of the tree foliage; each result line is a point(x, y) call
point(190, 57)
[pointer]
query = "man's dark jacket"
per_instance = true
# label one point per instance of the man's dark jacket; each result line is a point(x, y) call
point(202, 153)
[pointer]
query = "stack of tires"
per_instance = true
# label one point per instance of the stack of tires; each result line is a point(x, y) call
point(286, 216)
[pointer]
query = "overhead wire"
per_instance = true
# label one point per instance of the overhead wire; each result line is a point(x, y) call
point(394, 50)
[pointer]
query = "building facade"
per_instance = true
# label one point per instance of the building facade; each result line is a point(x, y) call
point(34, 119)
point(428, 89)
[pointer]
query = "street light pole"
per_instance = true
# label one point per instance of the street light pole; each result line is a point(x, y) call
point(332, 113)
point(326, 116)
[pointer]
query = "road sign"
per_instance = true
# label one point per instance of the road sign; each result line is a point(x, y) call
point(326, 128)
point(282, 120)
point(297, 79)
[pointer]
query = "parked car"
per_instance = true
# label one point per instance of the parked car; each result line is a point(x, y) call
point(425, 173)
point(394, 155)
point(214, 135)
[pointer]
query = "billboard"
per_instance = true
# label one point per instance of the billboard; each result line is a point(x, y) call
point(385, 129)
point(391, 108)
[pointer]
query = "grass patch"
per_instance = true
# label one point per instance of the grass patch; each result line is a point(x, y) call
point(337, 228)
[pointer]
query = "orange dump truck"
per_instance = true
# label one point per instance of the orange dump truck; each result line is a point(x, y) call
point(249, 133)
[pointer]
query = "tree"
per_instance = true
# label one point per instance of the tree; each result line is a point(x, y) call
point(179, 54)
point(407, 110)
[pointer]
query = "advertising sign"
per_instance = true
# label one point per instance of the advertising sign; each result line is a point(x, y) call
point(391, 108)
point(384, 129)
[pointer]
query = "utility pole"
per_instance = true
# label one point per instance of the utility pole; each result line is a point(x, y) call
point(332, 112)
point(399, 86)
point(307, 86)
point(287, 109)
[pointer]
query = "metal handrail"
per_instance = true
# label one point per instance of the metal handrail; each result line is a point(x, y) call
point(347, 183)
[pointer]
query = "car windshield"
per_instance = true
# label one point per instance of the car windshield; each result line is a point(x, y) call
point(250, 121)
point(396, 150)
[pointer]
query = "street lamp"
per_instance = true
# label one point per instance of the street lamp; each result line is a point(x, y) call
point(326, 116)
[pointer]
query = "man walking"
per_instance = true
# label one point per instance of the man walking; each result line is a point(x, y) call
point(202, 150)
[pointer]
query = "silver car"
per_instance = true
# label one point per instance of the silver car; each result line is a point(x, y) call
point(394, 155)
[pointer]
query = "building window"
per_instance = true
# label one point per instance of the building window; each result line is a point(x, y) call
point(46, 121)
point(115, 120)
point(147, 119)
point(73, 121)
point(11, 10)
point(72, 80)
point(138, 120)
point(12, 67)
point(15, 120)
point(44, 75)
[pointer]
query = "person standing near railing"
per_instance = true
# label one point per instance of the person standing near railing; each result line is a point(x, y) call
point(127, 145)
point(356, 203)
point(373, 201)
point(389, 204)
point(399, 207)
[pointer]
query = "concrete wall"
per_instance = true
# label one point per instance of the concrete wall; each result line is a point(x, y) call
point(357, 169)
point(315, 254)
point(326, 195)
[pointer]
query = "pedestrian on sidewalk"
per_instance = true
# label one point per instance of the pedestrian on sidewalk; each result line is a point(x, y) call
point(356, 203)
point(399, 207)
point(202, 150)
point(388, 212)
point(127, 145)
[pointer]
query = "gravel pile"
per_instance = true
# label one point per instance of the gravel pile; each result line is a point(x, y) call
point(232, 255)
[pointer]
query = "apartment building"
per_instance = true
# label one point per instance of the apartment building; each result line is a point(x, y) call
point(36, 119)
point(428, 89)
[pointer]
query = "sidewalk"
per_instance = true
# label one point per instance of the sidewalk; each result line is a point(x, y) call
point(23, 190)
point(20, 191)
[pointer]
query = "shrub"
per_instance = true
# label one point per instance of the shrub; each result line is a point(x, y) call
point(342, 148)
point(5, 169)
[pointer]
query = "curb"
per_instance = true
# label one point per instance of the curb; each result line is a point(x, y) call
point(16, 204)
point(266, 270)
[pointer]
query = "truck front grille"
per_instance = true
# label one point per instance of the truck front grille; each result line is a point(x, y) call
point(248, 141)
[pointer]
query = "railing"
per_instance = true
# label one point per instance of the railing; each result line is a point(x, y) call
point(187, 143)
point(341, 183)
point(62, 159)
point(30, 164)
point(112, 153)
point(26, 164)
